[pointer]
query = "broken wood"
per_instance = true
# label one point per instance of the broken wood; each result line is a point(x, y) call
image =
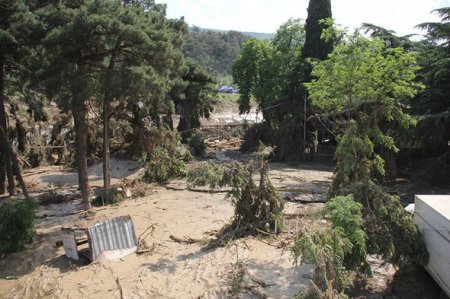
point(34, 172)
point(23, 160)
point(262, 283)
point(143, 247)
point(196, 190)
point(185, 240)
point(120, 287)
point(60, 243)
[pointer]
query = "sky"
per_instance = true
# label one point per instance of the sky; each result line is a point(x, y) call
point(267, 15)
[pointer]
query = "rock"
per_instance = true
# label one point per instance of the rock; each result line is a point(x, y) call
point(410, 208)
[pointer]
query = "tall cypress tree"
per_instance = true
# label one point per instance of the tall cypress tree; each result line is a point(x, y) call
point(315, 47)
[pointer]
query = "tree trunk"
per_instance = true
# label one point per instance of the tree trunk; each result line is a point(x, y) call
point(80, 111)
point(108, 97)
point(106, 150)
point(3, 124)
point(15, 162)
point(390, 165)
point(2, 171)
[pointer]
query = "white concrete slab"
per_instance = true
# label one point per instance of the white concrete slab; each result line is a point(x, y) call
point(432, 216)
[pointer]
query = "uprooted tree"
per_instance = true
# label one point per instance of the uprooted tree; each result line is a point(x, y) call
point(257, 209)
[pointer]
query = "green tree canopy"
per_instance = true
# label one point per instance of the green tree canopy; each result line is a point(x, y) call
point(250, 70)
point(364, 85)
point(432, 106)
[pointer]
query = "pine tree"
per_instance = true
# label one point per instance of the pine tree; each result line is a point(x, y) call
point(432, 105)
point(16, 23)
point(110, 53)
point(196, 96)
point(143, 55)
point(75, 47)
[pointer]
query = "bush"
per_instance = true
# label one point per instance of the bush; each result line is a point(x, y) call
point(16, 225)
point(256, 135)
point(145, 140)
point(196, 143)
point(391, 231)
point(326, 248)
point(163, 166)
point(116, 195)
point(346, 214)
point(256, 208)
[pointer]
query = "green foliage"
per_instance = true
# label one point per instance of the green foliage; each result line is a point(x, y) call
point(196, 143)
point(146, 140)
point(346, 215)
point(326, 248)
point(431, 106)
point(194, 95)
point(391, 231)
point(16, 225)
point(356, 159)
point(255, 207)
point(249, 71)
point(256, 135)
point(365, 86)
point(163, 166)
point(272, 74)
point(315, 46)
point(214, 50)
point(116, 195)
point(362, 75)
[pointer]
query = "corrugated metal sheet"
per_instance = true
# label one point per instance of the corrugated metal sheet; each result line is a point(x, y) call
point(111, 234)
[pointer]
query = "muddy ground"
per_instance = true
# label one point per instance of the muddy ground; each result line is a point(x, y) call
point(178, 270)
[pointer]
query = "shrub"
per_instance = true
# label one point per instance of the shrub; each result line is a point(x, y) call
point(391, 230)
point(256, 135)
point(163, 166)
point(346, 214)
point(196, 143)
point(145, 140)
point(16, 225)
point(255, 207)
point(326, 248)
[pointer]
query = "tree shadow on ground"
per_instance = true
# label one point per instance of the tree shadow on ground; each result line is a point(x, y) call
point(24, 262)
point(65, 264)
point(163, 265)
point(264, 279)
point(410, 282)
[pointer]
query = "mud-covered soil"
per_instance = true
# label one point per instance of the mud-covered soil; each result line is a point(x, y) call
point(179, 270)
point(171, 269)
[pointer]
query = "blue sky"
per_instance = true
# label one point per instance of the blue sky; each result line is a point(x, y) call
point(267, 15)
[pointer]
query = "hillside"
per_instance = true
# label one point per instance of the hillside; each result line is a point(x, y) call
point(217, 49)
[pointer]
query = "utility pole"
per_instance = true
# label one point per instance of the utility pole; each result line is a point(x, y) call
point(304, 121)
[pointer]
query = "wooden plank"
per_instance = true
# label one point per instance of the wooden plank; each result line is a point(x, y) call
point(432, 216)
point(70, 246)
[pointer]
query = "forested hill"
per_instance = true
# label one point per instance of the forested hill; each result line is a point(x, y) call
point(215, 49)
